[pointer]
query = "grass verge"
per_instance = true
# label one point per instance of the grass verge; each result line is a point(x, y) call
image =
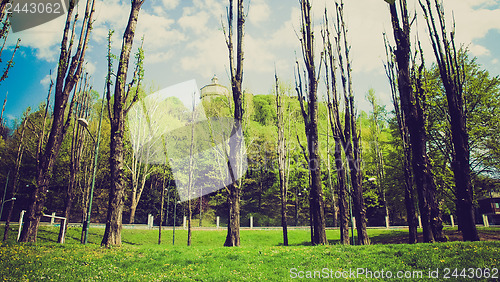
point(259, 258)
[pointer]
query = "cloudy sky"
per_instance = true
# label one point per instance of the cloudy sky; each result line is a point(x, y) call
point(183, 40)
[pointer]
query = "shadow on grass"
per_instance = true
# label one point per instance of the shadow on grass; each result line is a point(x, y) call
point(308, 243)
point(395, 237)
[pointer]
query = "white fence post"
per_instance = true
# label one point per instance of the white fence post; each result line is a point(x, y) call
point(150, 221)
point(218, 221)
point(251, 222)
point(21, 217)
point(52, 218)
point(485, 221)
point(184, 222)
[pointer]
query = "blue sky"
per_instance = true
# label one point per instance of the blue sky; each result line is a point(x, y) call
point(183, 40)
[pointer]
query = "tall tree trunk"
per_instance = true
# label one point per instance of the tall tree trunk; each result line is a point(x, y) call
point(415, 128)
point(452, 75)
point(235, 157)
point(351, 142)
point(330, 181)
point(406, 158)
point(316, 204)
point(137, 193)
point(75, 154)
point(69, 71)
point(191, 171)
point(201, 209)
point(435, 219)
point(354, 160)
point(161, 207)
point(13, 191)
point(342, 190)
point(112, 233)
point(338, 133)
point(282, 157)
point(296, 206)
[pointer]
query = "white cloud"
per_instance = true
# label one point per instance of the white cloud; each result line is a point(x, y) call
point(206, 55)
point(196, 22)
point(479, 50)
point(170, 4)
point(43, 38)
point(90, 67)
point(110, 14)
point(45, 82)
point(158, 32)
point(471, 23)
point(157, 57)
point(259, 12)
point(10, 117)
point(261, 58)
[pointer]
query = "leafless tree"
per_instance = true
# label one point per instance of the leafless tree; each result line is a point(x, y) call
point(19, 158)
point(282, 158)
point(412, 106)
point(333, 101)
point(317, 213)
point(235, 156)
point(82, 98)
point(351, 144)
point(122, 93)
point(390, 68)
point(69, 70)
point(451, 69)
point(4, 34)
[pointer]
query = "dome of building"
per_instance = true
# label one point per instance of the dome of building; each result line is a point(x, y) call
point(214, 90)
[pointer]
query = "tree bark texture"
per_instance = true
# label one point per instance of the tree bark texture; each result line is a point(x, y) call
point(318, 224)
point(342, 191)
point(415, 121)
point(351, 139)
point(236, 70)
point(281, 159)
point(112, 233)
point(452, 76)
point(69, 71)
point(336, 125)
point(13, 190)
point(82, 100)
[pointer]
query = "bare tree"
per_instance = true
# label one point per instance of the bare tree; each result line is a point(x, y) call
point(19, 158)
point(112, 233)
point(236, 72)
point(81, 111)
point(414, 116)
point(139, 167)
point(452, 73)
point(376, 147)
point(4, 33)
point(69, 70)
point(337, 130)
point(317, 213)
point(411, 217)
point(282, 158)
point(351, 144)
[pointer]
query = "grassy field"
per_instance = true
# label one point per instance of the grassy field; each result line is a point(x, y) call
point(261, 257)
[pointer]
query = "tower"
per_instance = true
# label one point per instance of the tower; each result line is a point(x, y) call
point(214, 90)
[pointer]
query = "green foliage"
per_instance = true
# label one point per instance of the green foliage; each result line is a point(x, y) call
point(259, 196)
point(482, 103)
point(259, 258)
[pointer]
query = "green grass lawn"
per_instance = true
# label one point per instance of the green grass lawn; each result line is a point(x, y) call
point(261, 257)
